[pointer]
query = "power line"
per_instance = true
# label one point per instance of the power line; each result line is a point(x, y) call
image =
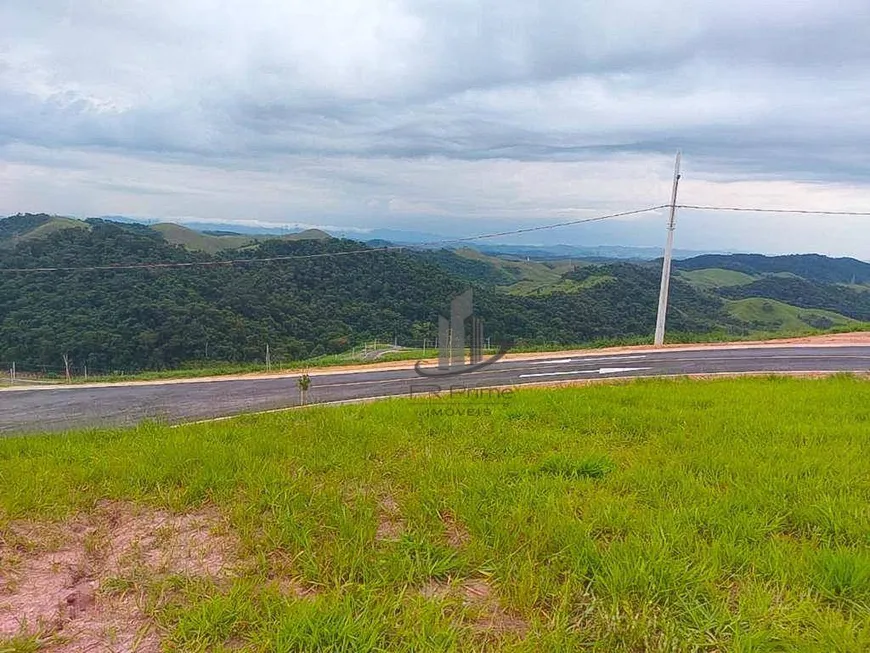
point(550, 226)
point(298, 257)
point(436, 243)
point(762, 210)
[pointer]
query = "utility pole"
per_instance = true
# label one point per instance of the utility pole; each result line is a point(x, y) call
point(268, 359)
point(12, 374)
point(666, 263)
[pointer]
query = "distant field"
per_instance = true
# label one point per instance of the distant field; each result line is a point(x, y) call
point(654, 516)
point(528, 287)
point(775, 316)
point(531, 277)
point(198, 241)
point(716, 278)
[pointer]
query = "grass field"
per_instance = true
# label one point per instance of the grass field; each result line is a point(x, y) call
point(774, 315)
point(530, 277)
point(198, 241)
point(716, 277)
point(727, 515)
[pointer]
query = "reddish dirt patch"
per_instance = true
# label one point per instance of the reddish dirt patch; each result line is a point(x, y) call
point(390, 523)
point(455, 532)
point(297, 589)
point(436, 590)
point(854, 338)
point(190, 544)
point(832, 339)
point(488, 617)
point(54, 585)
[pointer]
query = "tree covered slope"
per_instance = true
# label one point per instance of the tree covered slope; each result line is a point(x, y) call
point(317, 298)
point(163, 317)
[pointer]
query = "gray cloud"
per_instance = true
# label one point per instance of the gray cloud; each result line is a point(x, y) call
point(342, 110)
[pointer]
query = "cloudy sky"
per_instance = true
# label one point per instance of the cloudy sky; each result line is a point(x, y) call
point(445, 116)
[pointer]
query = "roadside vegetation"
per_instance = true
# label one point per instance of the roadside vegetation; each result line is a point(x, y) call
point(781, 315)
point(661, 515)
point(778, 316)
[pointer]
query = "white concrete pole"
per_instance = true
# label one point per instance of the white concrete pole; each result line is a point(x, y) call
point(666, 263)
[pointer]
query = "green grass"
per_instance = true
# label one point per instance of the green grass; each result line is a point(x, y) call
point(860, 287)
point(532, 277)
point(715, 278)
point(773, 315)
point(655, 516)
point(198, 241)
point(562, 285)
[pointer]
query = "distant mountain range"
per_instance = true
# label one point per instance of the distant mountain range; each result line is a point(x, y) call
point(29, 226)
point(195, 235)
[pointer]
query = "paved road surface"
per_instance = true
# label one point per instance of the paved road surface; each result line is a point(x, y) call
point(64, 408)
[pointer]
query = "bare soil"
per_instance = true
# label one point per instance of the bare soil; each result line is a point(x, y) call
point(390, 522)
point(477, 594)
point(59, 581)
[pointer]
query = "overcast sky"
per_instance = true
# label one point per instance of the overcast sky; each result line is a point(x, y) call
point(446, 116)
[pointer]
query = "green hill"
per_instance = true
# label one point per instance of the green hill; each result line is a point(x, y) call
point(29, 226)
point(308, 234)
point(805, 294)
point(33, 226)
point(525, 277)
point(715, 277)
point(212, 243)
point(813, 267)
point(771, 315)
point(199, 241)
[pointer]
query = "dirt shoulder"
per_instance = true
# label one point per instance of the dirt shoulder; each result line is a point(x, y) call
point(857, 338)
point(828, 340)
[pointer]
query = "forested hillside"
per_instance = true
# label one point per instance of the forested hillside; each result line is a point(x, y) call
point(164, 317)
point(806, 294)
point(30, 226)
point(331, 301)
point(810, 266)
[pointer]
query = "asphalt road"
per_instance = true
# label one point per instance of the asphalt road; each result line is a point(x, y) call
point(63, 408)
